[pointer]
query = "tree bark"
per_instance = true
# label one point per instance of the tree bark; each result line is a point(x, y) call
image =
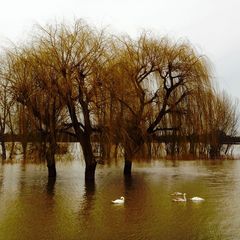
point(84, 137)
point(50, 186)
point(24, 149)
point(50, 156)
point(4, 155)
point(127, 168)
point(214, 151)
point(89, 158)
point(90, 171)
point(12, 149)
point(52, 173)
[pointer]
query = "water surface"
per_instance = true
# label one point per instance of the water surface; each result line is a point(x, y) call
point(31, 207)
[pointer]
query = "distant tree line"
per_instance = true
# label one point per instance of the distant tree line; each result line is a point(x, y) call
point(114, 91)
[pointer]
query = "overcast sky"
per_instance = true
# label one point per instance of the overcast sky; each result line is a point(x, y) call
point(212, 26)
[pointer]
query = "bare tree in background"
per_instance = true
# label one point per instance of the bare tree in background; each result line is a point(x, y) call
point(222, 120)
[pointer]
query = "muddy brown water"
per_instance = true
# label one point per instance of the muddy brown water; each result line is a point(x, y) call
point(31, 207)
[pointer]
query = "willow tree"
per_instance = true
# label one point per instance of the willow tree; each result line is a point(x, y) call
point(130, 71)
point(222, 121)
point(214, 116)
point(76, 55)
point(29, 79)
point(154, 77)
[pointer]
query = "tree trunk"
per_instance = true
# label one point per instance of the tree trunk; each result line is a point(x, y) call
point(50, 185)
point(4, 155)
point(130, 152)
point(52, 147)
point(90, 171)
point(88, 157)
point(52, 173)
point(83, 135)
point(24, 149)
point(192, 149)
point(50, 156)
point(214, 151)
point(127, 168)
point(12, 149)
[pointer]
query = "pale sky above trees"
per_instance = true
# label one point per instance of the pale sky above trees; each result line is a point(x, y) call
point(210, 25)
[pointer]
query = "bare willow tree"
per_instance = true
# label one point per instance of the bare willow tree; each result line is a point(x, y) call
point(131, 68)
point(154, 77)
point(222, 120)
point(28, 79)
point(203, 123)
point(76, 55)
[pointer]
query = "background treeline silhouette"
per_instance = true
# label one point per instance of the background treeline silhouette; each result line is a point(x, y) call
point(138, 98)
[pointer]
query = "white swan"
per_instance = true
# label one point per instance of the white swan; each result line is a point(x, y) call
point(119, 201)
point(176, 194)
point(197, 199)
point(180, 199)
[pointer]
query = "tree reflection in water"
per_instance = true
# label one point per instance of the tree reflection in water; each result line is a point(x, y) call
point(88, 197)
point(50, 187)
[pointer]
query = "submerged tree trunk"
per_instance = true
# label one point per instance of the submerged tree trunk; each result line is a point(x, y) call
point(51, 151)
point(83, 136)
point(192, 149)
point(50, 156)
point(89, 158)
point(214, 151)
point(12, 149)
point(131, 151)
point(4, 155)
point(90, 171)
point(50, 186)
point(90, 165)
point(52, 173)
point(24, 148)
point(127, 167)
point(128, 156)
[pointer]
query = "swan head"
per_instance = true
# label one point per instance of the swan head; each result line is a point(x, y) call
point(122, 198)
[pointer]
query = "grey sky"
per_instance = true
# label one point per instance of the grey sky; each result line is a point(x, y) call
point(211, 25)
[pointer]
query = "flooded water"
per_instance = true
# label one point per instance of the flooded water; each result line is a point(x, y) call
point(33, 208)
